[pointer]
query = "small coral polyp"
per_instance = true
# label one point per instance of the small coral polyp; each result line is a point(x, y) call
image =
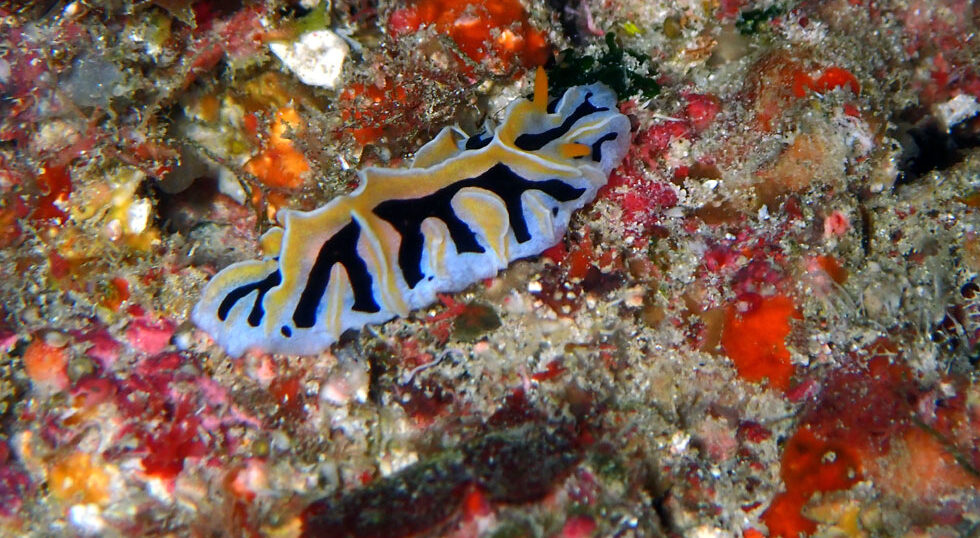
point(466, 208)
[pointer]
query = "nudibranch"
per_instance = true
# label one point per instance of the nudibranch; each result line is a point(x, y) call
point(465, 208)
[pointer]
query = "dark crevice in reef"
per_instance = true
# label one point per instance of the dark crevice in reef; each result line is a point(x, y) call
point(181, 212)
point(569, 15)
point(928, 146)
point(510, 465)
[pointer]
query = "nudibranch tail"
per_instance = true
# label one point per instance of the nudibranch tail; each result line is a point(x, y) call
point(465, 209)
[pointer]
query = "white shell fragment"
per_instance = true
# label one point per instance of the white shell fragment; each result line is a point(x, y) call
point(957, 109)
point(315, 57)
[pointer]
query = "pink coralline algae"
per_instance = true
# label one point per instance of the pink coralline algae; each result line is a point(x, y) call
point(148, 336)
point(14, 483)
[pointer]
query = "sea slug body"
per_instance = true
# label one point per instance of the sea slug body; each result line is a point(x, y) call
point(465, 209)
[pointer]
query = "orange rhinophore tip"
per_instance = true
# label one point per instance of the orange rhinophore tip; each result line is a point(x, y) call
point(574, 150)
point(541, 90)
